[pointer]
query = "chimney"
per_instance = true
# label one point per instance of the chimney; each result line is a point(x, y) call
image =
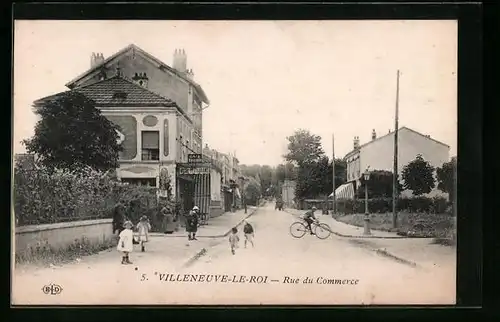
point(190, 74)
point(374, 135)
point(180, 60)
point(96, 59)
point(356, 142)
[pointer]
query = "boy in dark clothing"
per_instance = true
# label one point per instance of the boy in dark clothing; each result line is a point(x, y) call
point(249, 233)
point(310, 218)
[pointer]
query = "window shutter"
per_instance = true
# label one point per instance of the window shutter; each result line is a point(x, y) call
point(150, 140)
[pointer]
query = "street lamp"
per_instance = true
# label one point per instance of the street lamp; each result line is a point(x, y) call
point(366, 176)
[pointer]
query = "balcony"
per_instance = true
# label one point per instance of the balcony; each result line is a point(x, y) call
point(150, 155)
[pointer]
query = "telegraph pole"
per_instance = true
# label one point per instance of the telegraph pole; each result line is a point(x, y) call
point(334, 209)
point(395, 169)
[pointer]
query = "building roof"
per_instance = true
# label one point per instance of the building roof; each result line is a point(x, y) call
point(132, 47)
point(104, 93)
point(120, 91)
point(392, 133)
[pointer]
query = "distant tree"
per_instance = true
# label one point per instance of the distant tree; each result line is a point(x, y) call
point(303, 147)
point(72, 134)
point(418, 176)
point(266, 177)
point(446, 177)
point(250, 170)
point(252, 191)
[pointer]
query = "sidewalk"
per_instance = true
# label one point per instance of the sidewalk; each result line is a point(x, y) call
point(217, 227)
point(413, 251)
point(160, 252)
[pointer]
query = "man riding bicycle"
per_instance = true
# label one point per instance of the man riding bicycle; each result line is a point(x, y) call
point(309, 218)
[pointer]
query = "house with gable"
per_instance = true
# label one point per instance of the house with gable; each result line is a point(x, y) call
point(378, 154)
point(159, 110)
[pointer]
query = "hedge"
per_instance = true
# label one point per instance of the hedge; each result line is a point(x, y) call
point(42, 197)
point(438, 205)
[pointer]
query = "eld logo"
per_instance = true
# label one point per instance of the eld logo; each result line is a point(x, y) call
point(52, 289)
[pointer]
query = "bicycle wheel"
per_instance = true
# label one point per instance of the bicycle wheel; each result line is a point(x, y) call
point(322, 231)
point(298, 229)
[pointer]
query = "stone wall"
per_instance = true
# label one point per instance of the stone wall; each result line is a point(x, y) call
point(62, 235)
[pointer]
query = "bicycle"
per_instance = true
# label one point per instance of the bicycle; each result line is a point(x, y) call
point(299, 228)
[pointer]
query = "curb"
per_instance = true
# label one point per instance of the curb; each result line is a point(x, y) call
point(203, 251)
point(197, 256)
point(206, 236)
point(385, 253)
point(362, 236)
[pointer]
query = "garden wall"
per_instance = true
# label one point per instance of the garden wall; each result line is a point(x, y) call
point(60, 236)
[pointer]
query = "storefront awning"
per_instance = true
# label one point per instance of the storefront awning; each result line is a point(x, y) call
point(345, 191)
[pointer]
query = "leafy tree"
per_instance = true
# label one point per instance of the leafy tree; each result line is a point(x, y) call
point(418, 176)
point(72, 134)
point(304, 147)
point(446, 177)
point(252, 191)
point(306, 182)
point(286, 172)
point(379, 185)
point(340, 174)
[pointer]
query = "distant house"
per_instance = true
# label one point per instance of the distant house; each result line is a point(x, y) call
point(378, 154)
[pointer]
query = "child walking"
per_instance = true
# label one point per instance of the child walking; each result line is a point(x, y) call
point(234, 239)
point(249, 233)
point(125, 244)
point(143, 227)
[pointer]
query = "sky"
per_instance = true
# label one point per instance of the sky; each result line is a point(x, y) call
point(266, 79)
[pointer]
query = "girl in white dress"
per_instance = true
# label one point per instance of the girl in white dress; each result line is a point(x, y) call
point(143, 227)
point(125, 244)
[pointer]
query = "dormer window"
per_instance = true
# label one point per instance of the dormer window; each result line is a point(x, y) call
point(141, 79)
point(119, 95)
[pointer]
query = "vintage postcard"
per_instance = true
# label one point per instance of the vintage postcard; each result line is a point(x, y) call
point(234, 162)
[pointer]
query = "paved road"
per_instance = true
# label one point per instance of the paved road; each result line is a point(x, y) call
point(271, 273)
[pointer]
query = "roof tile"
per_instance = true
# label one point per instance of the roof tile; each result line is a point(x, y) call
point(103, 93)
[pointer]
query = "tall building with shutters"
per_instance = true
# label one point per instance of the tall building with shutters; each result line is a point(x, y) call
point(159, 110)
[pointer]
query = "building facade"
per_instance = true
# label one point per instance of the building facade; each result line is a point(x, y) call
point(159, 110)
point(378, 154)
point(230, 176)
point(288, 192)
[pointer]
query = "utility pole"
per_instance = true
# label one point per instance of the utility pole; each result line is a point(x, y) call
point(334, 209)
point(395, 168)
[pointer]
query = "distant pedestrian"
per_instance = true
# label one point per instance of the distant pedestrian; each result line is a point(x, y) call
point(234, 239)
point(167, 220)
point(143, 227)
point(192, 223)
point(125, 244)
point(249, 233)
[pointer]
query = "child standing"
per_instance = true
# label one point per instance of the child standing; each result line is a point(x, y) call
point(125, 244)
point(234, 239)
point(143, 228)
point(249, 233)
